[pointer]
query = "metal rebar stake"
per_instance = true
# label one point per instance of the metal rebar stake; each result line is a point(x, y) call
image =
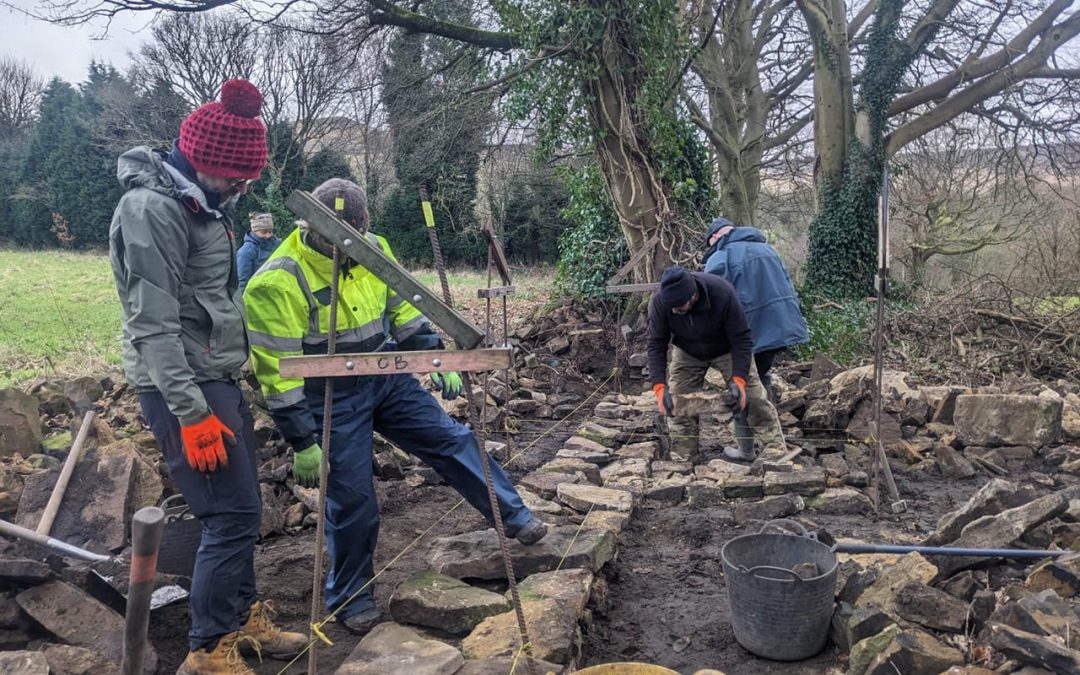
point(324, 467)
point(896, 505)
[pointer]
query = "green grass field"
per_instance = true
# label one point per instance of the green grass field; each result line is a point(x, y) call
point(60, 316)
point(59, 313)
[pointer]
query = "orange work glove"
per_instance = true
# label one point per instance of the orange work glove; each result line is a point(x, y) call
point(737, 392)
point(204, 444)
point(663, 399)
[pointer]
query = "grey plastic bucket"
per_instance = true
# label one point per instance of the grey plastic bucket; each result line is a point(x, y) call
point(777, 614)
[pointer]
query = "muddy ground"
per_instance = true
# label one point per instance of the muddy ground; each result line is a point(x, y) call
point(665, 603)
point(284, 563)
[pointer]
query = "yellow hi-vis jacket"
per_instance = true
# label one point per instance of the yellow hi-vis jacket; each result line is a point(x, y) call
point(288, 314)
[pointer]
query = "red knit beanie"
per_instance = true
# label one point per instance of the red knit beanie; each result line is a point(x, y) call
point(227, 139)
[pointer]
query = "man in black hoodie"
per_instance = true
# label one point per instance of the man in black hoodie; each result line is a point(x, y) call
point(700, 314)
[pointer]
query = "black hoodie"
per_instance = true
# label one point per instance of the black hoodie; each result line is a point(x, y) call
point(714, 326)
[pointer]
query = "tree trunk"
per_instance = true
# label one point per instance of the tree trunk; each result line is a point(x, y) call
point(737, 109)
point(848, 171)
point(632, 174)
point(834, 118)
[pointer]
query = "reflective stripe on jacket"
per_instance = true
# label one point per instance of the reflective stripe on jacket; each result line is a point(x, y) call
point(288, 314)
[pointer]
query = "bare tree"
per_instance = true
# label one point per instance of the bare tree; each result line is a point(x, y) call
point(21, 88)
point(960, 189)
point(750, 91)
point(299, 71)
point(195, 53)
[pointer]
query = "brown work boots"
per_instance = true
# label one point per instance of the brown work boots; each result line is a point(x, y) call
point(259, 635)
point(224, 659)
point(272, 641)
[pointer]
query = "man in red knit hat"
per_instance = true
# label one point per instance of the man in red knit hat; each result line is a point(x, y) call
point(174, 261)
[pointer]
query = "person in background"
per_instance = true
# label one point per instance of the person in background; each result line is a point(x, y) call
point(288, 314)
point(257, 247)
point(174, 263)
point(701, 316)
point(743, 257)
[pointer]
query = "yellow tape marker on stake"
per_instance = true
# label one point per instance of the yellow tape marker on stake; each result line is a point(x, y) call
point(429, 215)
point(339, 203)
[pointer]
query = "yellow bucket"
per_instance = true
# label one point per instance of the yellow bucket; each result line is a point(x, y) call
point(626, 669)
point(635, 669)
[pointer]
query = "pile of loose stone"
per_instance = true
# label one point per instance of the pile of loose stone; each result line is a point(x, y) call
point(925, 615)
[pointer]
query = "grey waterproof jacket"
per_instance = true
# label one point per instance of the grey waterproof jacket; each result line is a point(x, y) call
point(174, 262)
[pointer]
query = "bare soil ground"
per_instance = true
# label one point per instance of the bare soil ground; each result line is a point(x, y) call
point(284, 563)
point(667, 603)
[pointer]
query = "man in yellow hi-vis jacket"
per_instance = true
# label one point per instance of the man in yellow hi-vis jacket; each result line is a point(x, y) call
point(288, 313)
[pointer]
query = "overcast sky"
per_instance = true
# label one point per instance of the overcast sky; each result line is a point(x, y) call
point(67, 51)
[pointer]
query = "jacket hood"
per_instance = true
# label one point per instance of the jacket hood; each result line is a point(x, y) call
point(270, 243)
point(146, 167)
point(743, 234)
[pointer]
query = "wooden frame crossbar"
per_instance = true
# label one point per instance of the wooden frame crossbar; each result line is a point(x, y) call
point(632, 288)
point(391, 363)
point(359, 248)
point(498, 254)
point(633, 262)
point(495, 292)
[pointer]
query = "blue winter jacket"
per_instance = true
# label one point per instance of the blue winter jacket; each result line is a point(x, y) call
point(768, 297)
point(252, 254)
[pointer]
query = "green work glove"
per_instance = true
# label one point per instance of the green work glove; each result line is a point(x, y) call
point(449, 383)
point(306, 465)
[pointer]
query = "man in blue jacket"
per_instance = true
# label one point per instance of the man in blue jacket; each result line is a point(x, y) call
point(257, 247)
point(743, 257)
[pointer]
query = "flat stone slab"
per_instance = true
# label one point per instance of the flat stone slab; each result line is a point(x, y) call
point(476, 554)
point(546, 485)
point(805, 483)
point(1007, 419)
point(749, 487)
point(68, 660)
point(553, 633)
point(79, 620)
point(603, 435)
point(97, 505)
point(842, 500)
point(23, 663)
point(994, 497)
point(538, 504)
point(390, 648)
point(570, 587)
point(613, 521)
point(435, 600)
point(910, 568)
point(567, 465)
point(1006, 528)
point(705, 493)
point(586, 445)
point(591, 456)
point(23, 571)
point(589, 497)
point(769, 508)
point(645, 450)
point(625, 468)
point(1033, 650)
point(667, 492)
point(668, 466)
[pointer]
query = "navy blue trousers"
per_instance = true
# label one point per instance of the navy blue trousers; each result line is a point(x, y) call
point(402, 411)
point(227, 504)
